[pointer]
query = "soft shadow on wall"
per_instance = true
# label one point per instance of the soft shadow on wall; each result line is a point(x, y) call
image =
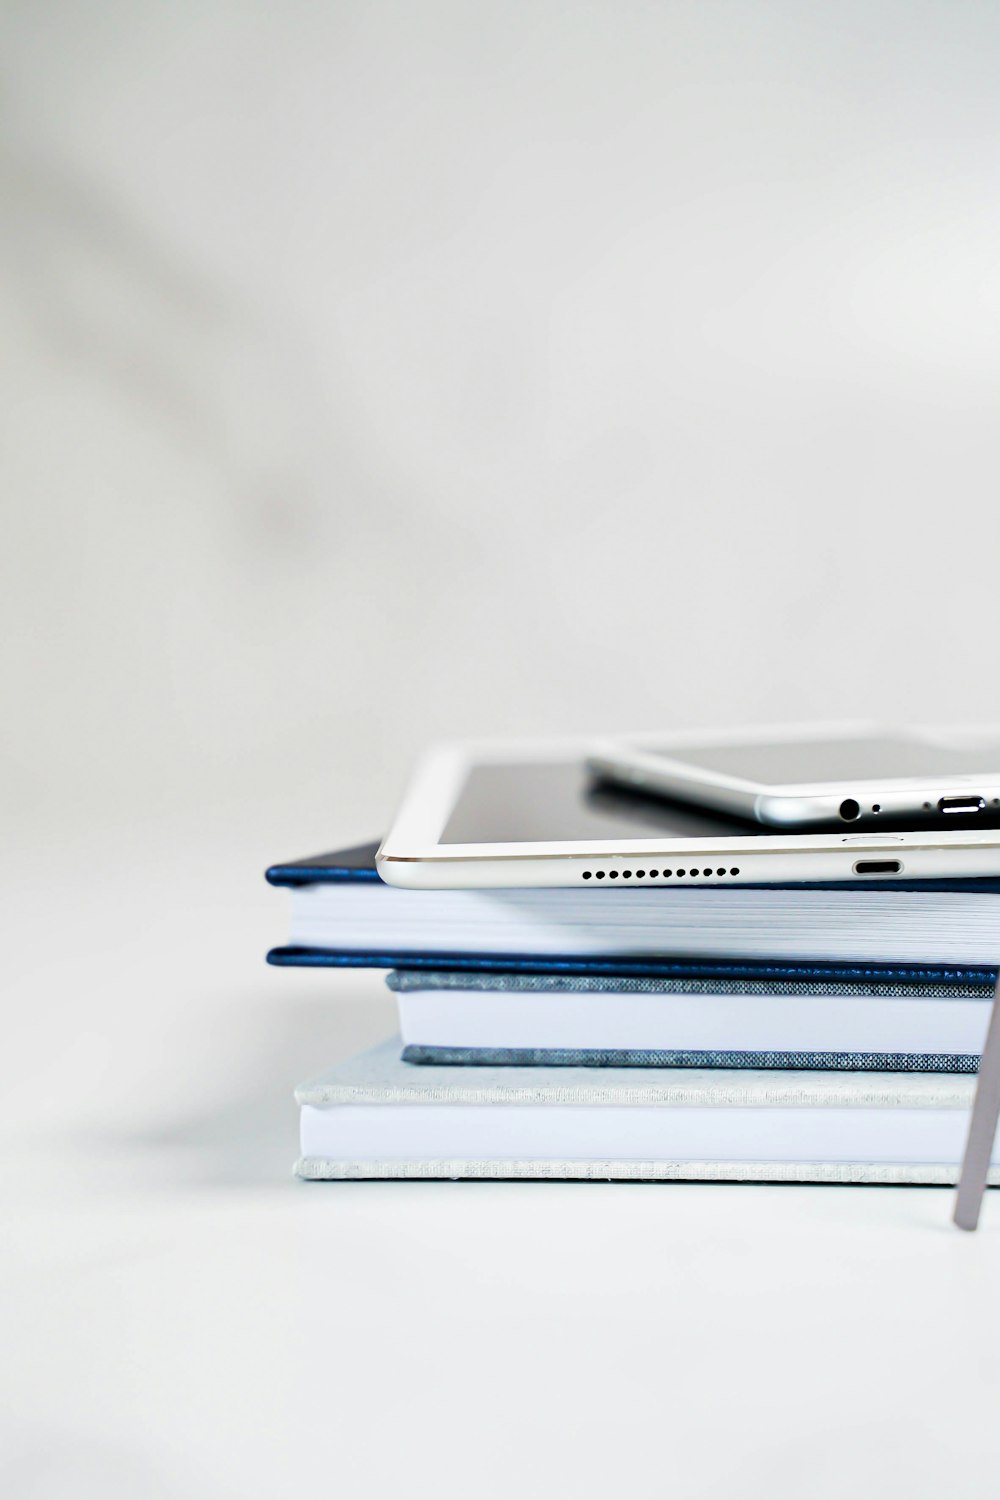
point(383, 371)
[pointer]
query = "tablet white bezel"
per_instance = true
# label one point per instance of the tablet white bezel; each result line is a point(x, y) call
point(412, 854)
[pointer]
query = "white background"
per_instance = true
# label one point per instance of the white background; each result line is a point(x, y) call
point(374, 372)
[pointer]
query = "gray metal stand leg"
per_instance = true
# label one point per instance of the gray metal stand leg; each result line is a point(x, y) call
point(982, 1127)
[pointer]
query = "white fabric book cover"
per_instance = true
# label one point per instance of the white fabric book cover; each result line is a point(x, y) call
point(378, 1117)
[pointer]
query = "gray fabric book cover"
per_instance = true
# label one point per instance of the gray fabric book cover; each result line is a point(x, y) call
point(379, 1080)
point(483, 985)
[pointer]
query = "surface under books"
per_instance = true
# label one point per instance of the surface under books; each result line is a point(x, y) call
point(376, 1116)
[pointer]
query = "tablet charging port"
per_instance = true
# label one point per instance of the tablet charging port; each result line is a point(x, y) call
point(877, 867)
point(961, 804)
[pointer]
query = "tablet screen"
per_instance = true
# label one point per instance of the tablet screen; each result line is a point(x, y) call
point(538, 803)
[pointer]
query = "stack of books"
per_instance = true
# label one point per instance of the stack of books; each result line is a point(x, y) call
point(729, 1033)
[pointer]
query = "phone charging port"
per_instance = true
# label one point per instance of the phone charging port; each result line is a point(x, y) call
point(961, 805)
point(877, 867)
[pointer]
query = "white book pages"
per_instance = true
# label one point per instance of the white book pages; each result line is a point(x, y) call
point(696, 1022)
point(911, 927)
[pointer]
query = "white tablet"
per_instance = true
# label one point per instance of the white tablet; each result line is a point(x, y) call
point(531, 814)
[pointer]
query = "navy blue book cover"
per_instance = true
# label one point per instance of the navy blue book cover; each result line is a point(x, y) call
point(357, 864)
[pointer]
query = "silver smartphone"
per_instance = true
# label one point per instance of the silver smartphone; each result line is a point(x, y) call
point(812, 776)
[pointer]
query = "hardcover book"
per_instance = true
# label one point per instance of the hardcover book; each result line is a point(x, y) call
point(913, 931)
point(599, 1020)
point(377, 1117)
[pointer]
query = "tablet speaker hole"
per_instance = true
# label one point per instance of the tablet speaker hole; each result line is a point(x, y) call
point(660, 874)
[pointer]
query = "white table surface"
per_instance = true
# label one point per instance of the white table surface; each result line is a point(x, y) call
point(183, 1318)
